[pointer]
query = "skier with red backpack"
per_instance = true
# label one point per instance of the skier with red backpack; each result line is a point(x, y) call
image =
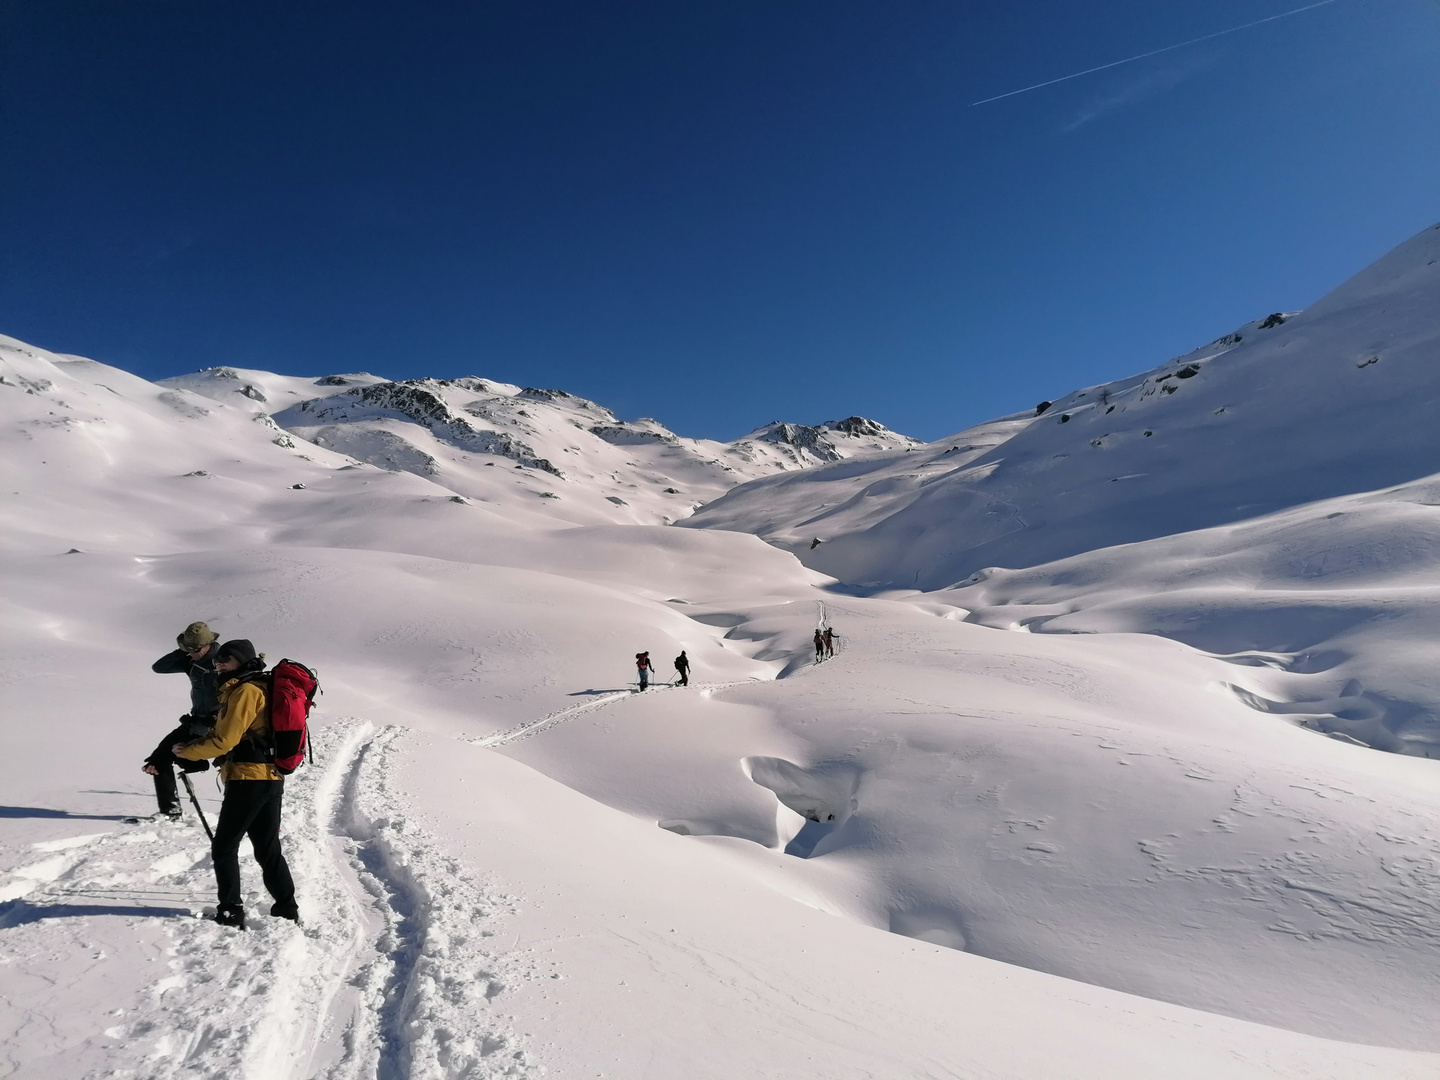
point(643, 668)
point(261, 735)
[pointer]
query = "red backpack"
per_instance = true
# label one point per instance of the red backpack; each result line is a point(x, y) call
point(290, 688)
point(293, 687)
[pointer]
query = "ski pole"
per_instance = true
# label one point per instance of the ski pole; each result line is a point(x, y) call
point(194, 800)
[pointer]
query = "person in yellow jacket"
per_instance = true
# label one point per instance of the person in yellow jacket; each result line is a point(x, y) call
point(254, 788)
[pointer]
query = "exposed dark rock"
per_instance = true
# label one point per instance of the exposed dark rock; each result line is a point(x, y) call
point(817, 439)
point(856, 425)
point(625, 435)
point(419, 401)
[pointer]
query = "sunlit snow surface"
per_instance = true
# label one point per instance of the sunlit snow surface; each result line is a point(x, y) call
point(1126, 814)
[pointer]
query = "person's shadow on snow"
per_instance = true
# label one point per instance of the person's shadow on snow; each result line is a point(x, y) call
point(21, 912)
point(592, 693)
point(44, 812)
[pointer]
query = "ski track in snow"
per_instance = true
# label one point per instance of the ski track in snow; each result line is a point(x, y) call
point(391, 975)
point(531, 728)
point(534, 727)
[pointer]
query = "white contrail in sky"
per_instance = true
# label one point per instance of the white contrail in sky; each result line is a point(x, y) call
point(1155, 52)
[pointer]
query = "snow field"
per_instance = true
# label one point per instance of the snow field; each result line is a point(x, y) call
point(708, 958)
point(954, 740)
point(1327, 611)
point(979, 799)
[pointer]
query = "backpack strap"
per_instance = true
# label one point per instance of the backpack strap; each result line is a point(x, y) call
point(251, 750)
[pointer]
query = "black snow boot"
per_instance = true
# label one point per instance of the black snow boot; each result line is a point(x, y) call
point(285, 911)
point(230, 916)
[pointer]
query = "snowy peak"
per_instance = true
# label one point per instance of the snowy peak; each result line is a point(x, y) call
point(608, 469)
point(588, 466)
point(803, 445)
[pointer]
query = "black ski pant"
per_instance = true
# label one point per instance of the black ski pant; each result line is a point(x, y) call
point(684, 679)
point(189, 730)
point(251, 808)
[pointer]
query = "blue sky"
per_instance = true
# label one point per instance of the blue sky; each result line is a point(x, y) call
point(714, 213)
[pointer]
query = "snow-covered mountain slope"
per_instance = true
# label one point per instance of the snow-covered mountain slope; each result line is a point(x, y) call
point(1334, 400)
point(595, 468)
point(951, 850)
point(203, 454)
point(101, 459)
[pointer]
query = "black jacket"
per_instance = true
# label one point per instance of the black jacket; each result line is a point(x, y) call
point(204, 688)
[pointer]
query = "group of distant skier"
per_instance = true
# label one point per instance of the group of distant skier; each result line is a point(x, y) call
point(232, 720)
point(644, 669)
point(825, 639)
point(824, 643)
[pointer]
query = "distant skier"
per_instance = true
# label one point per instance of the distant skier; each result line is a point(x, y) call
point(195, 657)
point(829, 638)
point(682, 669)
point(819, 646)
point(254, 788)
point(644, 668)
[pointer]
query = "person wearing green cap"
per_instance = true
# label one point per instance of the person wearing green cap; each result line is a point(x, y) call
point(254, 787)
point(195, 657)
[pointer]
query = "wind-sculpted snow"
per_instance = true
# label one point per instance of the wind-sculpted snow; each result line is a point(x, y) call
point(1328, 611)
